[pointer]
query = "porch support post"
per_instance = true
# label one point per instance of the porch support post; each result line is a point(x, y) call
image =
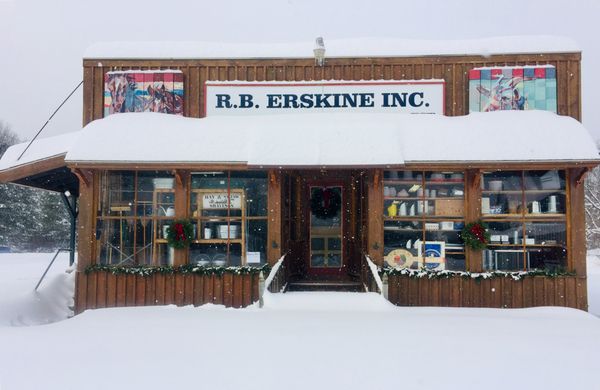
point(182, 178)
point(576, 227)
point(274, 204)
point(85, 221)
point(472, 214)
point(375, 216)
point(576, 208)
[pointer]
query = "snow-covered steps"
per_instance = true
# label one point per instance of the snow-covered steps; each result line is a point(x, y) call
point(325, 285)
point(327, 301)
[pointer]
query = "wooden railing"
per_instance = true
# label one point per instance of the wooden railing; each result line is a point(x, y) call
point(369, 276)
point(280, 275)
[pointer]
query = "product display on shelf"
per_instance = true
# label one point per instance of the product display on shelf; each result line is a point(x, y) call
point(422, 210)
point(526, 212)
point(220, 217)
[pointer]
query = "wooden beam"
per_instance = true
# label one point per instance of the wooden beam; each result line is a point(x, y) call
point(33, 168)
point(84, 176)
point(581, 176)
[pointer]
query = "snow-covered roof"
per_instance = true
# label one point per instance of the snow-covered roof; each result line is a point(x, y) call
point(41, 149)
point(335, 48)
point(336, 139)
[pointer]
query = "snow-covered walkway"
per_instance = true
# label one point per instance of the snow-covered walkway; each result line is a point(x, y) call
point(298, 341)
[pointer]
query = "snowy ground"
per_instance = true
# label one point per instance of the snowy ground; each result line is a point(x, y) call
point(19, 304)
point(299, 341)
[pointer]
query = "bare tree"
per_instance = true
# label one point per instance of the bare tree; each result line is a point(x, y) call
point(592, 208)
point(7, 137)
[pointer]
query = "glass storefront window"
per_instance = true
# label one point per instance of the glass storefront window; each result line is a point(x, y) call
point(525, 211)
point(423, 216)
point(229, 210)
point(134, 209)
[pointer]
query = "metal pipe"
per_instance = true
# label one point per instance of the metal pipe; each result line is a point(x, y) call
point(49, 265)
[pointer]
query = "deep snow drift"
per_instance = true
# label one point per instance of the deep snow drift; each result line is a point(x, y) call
point(298, 341)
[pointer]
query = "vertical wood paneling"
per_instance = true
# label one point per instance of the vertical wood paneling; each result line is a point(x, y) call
point(188, 292)
point(562, 80)
point(169, 289)
point(80, 292)
point(517, 295)
point(130, 290)
point(98, 99)
point(140, 290)
point(121, 290)
point(217, 290)
point(507, 287)
point(549, 291)
point(574, 89)
point(538, 291)
point(247, 290)
point(179, 289)
point(150, 293)
point(159, 283)
point(101, 290)
point(198, 298)
point(498, 292)
point(91, 291)
point(560, 295)
point(237, 287)
point(582, 302)
point(111, 290)
point(88, 95)
point(413, 292)
point(228, 290)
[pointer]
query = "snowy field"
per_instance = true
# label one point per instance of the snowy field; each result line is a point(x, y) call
point(298, 341)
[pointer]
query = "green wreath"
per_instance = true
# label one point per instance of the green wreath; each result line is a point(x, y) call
point(325, 203)
point(180, 234)
point(475, 235)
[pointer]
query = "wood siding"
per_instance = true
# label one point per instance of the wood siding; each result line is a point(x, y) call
point(453, 69)
point(102, 289)
point(568, 291)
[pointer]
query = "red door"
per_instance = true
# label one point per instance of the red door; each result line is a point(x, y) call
point(325, 227)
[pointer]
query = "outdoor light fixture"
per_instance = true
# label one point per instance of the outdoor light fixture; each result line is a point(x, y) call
point(319, 51)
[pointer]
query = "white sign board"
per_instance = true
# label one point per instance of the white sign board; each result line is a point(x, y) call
point(218, 200)
point(259, 98)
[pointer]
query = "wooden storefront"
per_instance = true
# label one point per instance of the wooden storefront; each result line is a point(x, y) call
point(361, 192)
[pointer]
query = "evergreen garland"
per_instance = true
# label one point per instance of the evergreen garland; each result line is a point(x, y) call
point(478, 276)
point(187, 269)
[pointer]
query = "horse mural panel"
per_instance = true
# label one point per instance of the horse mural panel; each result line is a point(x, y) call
point(512, 88)
point(143, 91)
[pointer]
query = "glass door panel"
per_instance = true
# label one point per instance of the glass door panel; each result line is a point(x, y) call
point(326, 227)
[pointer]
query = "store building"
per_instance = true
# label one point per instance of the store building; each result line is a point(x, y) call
point(324, 163)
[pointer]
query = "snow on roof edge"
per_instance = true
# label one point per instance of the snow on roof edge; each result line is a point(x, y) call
point(335, 48)
point(338, 139)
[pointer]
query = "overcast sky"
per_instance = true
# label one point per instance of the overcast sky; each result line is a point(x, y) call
point(42, 42)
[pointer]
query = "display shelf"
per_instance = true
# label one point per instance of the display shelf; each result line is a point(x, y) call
point(406, 198)
point(218, 241)
point(519, 192)
point(520, 216)
point(213, 209)
point(420, 217)
point(527, 245)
